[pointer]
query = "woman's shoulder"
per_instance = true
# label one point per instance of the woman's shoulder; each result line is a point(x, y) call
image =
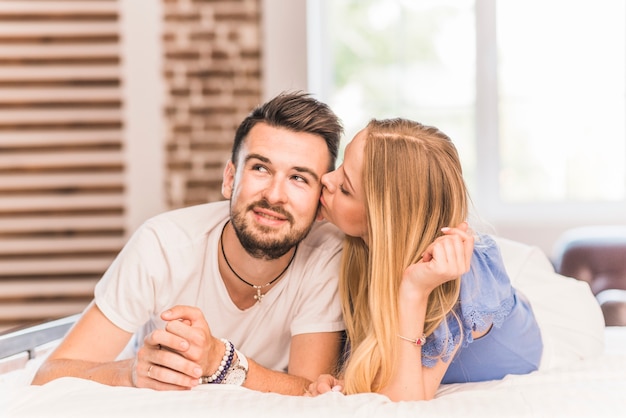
point(486, 253)
point(487, 295)
point(487, 266)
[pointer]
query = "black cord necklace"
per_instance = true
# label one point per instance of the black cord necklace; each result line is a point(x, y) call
point(258, 288)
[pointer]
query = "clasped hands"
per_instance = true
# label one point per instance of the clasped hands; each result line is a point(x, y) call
point(174, 358)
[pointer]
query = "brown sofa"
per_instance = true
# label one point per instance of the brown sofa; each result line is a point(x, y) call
point(597, 255)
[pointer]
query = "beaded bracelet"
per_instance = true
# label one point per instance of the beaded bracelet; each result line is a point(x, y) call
point(224, 365)
point(417, 341)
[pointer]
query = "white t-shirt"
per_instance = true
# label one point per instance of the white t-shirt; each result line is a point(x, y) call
point(172, 260)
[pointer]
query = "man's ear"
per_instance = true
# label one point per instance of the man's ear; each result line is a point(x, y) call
point(319, 216)
point(228, 180)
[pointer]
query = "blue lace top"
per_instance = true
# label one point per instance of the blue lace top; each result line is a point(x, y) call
point(487, 299)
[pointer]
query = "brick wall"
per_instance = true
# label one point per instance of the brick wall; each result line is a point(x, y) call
point(212, 73)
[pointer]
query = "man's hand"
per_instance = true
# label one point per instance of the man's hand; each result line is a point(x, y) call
point(160, 366)
point(177, 356)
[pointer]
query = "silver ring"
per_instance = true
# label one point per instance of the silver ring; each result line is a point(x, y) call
point(150, 369)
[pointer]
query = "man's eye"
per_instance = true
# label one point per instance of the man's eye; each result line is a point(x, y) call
point(258, 167)
point(300, 179)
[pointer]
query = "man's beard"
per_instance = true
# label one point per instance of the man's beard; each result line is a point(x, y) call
point(264, 247)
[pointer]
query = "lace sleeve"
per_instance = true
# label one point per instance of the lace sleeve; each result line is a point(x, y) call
point(486, 299)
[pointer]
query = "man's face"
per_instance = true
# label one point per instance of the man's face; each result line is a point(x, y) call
point(274, 189)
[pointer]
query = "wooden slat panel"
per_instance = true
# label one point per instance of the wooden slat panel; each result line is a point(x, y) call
point(62, 162)
point(51, 138)
point(31, 289)
point(88, 265)
point(23, 182)
point(59, 29)
point(59, 95)
point(83, 52)
point(94, 159)
point(58, 73)
point(36, 117)
point(32, 311)
point(84, 201)
point(59, 245)
point(49, 8)
point(61, 223)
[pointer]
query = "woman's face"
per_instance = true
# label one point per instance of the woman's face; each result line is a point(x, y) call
point(342, 200)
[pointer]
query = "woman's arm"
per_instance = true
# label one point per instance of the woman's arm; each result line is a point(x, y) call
point(445, 259)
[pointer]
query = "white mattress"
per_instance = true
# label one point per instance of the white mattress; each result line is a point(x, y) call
point(582, 374)
point(593, 387)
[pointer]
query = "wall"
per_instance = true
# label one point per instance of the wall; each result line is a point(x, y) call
point(212, 74)
point(111, 111)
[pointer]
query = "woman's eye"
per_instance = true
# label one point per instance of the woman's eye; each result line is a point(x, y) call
point(342, 190)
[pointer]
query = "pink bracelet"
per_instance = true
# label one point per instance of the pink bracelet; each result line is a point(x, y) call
point(417, 341)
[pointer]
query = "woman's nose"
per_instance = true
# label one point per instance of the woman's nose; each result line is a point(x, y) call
point(327, 181)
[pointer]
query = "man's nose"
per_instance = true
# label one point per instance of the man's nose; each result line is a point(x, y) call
point(275, 190)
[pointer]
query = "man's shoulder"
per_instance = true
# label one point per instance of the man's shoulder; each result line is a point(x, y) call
point(191, 221)
point(205, 212)
point(324, 235)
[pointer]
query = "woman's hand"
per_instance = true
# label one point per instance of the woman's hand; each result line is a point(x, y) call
point(324, 383)
point(448, 257)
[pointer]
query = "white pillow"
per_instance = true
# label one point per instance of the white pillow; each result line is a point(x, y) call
point(569, 317)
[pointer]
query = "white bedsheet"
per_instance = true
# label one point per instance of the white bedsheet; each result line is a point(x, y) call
point(582, 374)
point(586, 388)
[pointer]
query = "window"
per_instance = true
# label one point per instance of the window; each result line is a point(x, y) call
point(561, 100)
point(532, 93)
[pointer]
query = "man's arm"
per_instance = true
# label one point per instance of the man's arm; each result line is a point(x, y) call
point(310, 354)
point(88, 351)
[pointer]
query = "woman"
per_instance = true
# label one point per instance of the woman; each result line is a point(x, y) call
point(425, 301)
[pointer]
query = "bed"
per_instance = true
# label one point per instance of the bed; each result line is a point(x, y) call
point(582, 373)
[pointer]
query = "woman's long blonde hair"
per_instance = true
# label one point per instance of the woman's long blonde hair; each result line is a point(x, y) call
point(413, 187)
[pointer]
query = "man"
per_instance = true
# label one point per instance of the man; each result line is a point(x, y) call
point(242, 291)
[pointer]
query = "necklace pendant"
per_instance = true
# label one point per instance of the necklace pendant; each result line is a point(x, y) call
point(258, 288)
